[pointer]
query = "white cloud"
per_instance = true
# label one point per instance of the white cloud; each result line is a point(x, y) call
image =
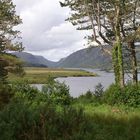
point(59, 53)
point(44, 30)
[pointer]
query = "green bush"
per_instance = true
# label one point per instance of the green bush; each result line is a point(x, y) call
point(23, 121)
point(132, 95)
point(99, 90)
point(113, 95)
point(92, 97)
point(86, 98)
point(6, 93)
point(129, 95)
point(23, 87)
point(35, 117)
point(57, 92)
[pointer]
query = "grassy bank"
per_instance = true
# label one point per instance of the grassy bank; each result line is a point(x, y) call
point(40, 75)
point(112, 122)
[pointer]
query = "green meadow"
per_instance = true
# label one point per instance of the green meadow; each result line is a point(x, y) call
point(36, 75)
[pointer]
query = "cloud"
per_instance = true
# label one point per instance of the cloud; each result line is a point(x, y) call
point(44, 30)
point(58, 37)
point(60, 53)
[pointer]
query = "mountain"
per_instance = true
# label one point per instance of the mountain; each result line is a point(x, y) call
point(85, 58)
point(34, 60)
point(89, 57)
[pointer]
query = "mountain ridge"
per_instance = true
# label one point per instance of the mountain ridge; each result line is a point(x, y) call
point(34, 60)
point(88, 57)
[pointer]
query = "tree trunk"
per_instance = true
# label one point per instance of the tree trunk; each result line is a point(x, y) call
point(118, 45)
point(133, 62)
point(115, 64)
point(120, 63)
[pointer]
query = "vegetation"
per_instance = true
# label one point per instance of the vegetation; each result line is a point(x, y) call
point(129, 95)
point(8, 40)
point(36, 115)
point(57, 92)
point(52, 114)
point(41, 75)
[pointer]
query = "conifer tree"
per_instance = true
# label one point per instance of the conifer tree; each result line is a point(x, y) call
point(111, 22)
point(9, 39)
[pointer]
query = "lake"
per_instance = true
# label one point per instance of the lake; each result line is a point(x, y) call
point(80, 85)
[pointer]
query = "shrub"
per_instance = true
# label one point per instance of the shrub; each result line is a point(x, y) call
point(85, 98)
point(129, 95)
point(6, 93)
point(57, 92)
point(98, 92)
point(92, 97)
point(24, 90)
point(112, 95)
point(99, 89)
point(38, 118)
point(26, 122)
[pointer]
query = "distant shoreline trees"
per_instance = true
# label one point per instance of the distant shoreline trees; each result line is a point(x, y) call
point(112, 22)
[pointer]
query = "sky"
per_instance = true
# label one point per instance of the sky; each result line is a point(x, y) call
point(44, 30)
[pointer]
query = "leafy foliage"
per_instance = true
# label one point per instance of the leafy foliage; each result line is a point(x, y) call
point(86, 98)
point(6, 93)
point(129, 95)
point(99, 90)
point(3, 70)
point(92, 97)
point(36, 117)
point(8, 20)
point(57, 92)
point(8, 37)
point(24, 90)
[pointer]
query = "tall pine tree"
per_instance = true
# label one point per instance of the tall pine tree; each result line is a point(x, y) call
point(8, 39)
point(111, 22)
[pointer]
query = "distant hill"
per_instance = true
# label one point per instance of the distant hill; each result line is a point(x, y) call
point(85, 58)
point(34, 60)
point(89, 57)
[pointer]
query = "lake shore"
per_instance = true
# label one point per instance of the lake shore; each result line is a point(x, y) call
point(36, 75)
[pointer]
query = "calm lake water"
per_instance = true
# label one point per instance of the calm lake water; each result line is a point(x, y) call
point(80, 85)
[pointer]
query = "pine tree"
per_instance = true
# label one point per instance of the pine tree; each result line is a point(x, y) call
point(98, 16)
point(8, 38)
point(108, 21)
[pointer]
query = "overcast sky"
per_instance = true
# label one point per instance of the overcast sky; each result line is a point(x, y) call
point(45, 31)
